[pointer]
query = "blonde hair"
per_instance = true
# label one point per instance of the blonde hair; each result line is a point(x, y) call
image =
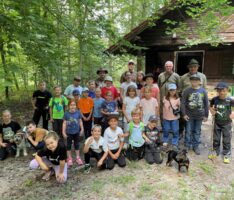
point(6, 111)
point(97, 126)
point(136, 111)
point(147, 89)
point(51, 134)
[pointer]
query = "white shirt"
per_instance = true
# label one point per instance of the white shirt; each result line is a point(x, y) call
point(99, 146)
point(125, 86)
point(112, 139)
point(131, 104)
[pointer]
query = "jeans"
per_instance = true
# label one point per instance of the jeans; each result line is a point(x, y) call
point(193, 133)
point(171, 125)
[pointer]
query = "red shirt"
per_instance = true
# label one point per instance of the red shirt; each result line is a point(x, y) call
point(113, 89)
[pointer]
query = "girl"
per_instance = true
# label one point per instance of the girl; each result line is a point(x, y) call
point(96, 147)
point(149, 105)
point(126, 84)
point(92, 87)
point(52, 159)
point(131, 101)
point(72, 128)
point(171, 105)
point(139, 81)
point(85, 105)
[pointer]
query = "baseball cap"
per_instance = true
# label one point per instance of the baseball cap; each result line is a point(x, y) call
point(195, 77)
point(75, 92)
point(77, 78)
point(153, 118)
point(193, 62)
point(102, 70)
point(221, 85)
point(108, 78)
point(85, 89)
point(172, 86)
point(131, 61)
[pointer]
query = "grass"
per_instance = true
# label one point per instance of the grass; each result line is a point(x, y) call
point(207, 168)
point(97, 186)
point(122, 180)
point(145, 189)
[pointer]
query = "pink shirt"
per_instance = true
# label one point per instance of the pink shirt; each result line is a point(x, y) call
point(154, 91)
point(113, 89)
point(148, 107)
point(167, 110)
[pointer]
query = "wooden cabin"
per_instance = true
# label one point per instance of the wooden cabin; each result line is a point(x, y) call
point(217, 62)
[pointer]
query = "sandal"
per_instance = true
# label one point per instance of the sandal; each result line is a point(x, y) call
point(69, 162)
point(79, 161)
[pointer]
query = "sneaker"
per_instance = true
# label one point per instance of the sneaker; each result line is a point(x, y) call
point(69, 162)
point(79, 161)
point(87, 168)
point(197, 151)
point(226, 159)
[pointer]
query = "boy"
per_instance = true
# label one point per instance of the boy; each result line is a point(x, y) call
point(115, 141)
point(96, 147)
point(221, 109)
point(58, 105)
point(40, 102)
point(36, 135)
point(194, 109)
point(135, 132)
point(76, 96)
point(7, 131)
point(92, 88)
point(85, 104)
point(109, 87)
point(152, 142)
point(98, 101)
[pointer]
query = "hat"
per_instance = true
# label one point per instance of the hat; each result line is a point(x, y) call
point(85, 89)
point(171, 86)
point(75, 92)
point(114, 115)
point(131, 61)
point(153, 118)
point(102, 70)
point(195, 77)
point(77, 78)
point(221, 85)
point(193, 62)
point(108, 78)
point(148, 75)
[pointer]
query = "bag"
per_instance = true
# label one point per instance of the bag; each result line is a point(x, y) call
point(176, 111)
point(165, 80)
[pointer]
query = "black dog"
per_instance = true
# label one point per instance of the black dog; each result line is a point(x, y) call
point(180, 157)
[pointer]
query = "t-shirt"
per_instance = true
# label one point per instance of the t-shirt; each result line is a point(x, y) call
point(112, 139)
point(85, 105)
point(72, 122)
point(167, 109)
point(125, 86)
point(152, 134)
point(223, 109)
point(97, 107)
point(92, 94)
point(58, 104)
point(68, 91)
point(195, 103)
point(98, 146)
point(131, 104)
point(135, 137)
point(109, 106)
point(133, 76)
point(154, 91)
point(9, 130)
point(148, 107)
point(42, 98)
point(39, 134)
point(56, 156)
point(113, 89)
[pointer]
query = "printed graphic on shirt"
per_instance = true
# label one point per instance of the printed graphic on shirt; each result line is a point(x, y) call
point(8, 134)
point(196, 101)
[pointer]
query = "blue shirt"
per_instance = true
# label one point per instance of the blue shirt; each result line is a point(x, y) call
point(97, 107)
point(109, 106)
point(73, 122)
point(92, 94)
point(136, 138)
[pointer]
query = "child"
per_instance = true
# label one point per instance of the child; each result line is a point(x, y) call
point(135, 132)
point(36, 135)
point(58, 105)
point(85, 104)
point(96, 147)
point(221, 108)
point(92, 87)
point(152, 142)
point(149, 105)
point(76, 96)
point(194, 109)
point(115, 142)
point(7, 131)
point(72, 128)
point(52, 159)
point(98, 101)
point(130, 102)
point(109, 87)
point(126, 84)
point(108, 107)
point(171, 115)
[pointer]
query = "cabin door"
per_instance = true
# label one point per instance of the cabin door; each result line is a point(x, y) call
point(182, 59)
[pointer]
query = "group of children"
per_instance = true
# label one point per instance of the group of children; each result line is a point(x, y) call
point(95, 115)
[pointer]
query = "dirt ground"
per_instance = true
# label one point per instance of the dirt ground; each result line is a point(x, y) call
point(206, 179)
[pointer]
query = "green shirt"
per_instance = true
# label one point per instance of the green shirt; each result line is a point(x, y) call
point(57, 104)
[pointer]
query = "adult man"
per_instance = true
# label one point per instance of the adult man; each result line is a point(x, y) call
point(100, 81)
point(40, 102)
point(76, 85)
point(193, 69)
point(131, 66)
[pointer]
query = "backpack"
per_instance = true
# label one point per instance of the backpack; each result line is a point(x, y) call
point(63, 102)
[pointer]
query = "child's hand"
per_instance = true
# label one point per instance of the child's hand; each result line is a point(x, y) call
point(3, 144)
point(186, 118)
point(81, 132)
point(51, 120)
point(121, 136)
point(147, 140)
point(99, 163)
point(60, 178)
point(212, 111)
point(117, 155)
point(113, 156)
point(90, 140)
